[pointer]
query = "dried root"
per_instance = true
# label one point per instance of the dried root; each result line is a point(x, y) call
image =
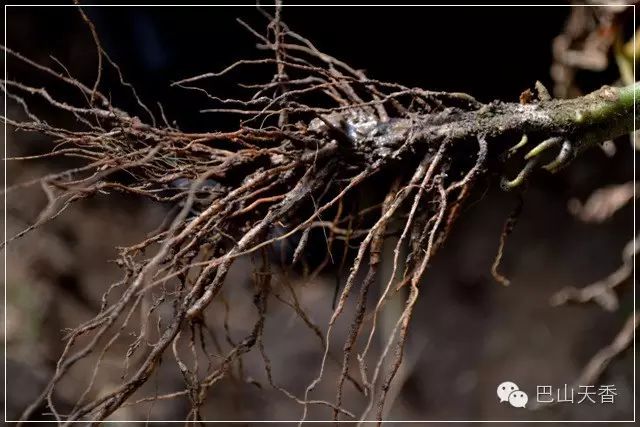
point(308, 141)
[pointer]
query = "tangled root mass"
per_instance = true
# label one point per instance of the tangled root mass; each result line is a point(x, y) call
point(309, 140)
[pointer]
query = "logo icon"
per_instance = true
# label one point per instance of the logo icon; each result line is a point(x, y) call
point(509, 391)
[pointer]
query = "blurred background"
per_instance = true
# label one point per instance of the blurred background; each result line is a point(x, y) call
point(468, 334)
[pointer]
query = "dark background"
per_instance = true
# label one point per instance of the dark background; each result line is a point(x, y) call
point(493, 52)
point(469, 334)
